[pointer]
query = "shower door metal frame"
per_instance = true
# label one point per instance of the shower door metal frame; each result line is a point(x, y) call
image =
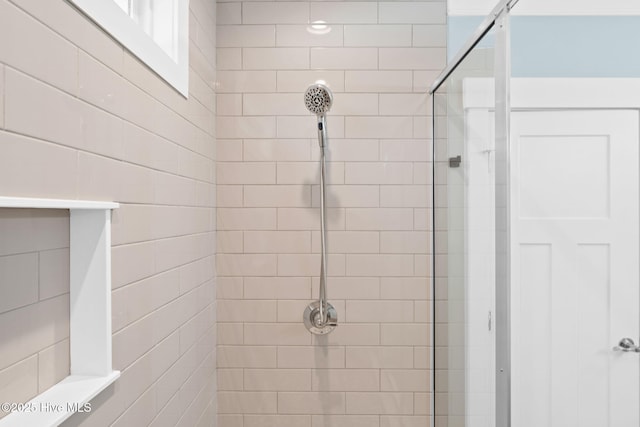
point(498, 21)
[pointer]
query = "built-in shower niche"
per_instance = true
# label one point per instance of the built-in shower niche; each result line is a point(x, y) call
point(55, 308)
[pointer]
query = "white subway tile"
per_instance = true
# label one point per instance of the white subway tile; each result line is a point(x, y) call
point(246, 36)
point(40, 51)
point(246, 173)
point(99, 85)
point(228, 150)
point(19, 383)
point(423, 357)
point(404, 104)
point(378, 81)
point(275, 58)
point(422, 403)
point(352, 335)
point(343, 12)
point(423, 79)
point(306, 126)
point(277, 287)
point(345, 421)
point(229, 58)
point(228, 13)
point(230, 379)
point(412, 12)
point(429, 35)
point(350, 288)
point(346, 379)
point(285, 150)
point(53, 365)
point(411, 334)
point(349, 242)
point(412, 58)
point(277, 379)
point(20, 275)
point(379, 265)
point(229, 287)
point(379, 403)
point(228, 104)
point(344, 58)
point(356, 150)
point(377, 35)
point(423, 173)
point(229, 196)
point(53, 273)
point(289, 310)
point(277, 241)
point(355, 104)
point(2, 96)
point(309, 219)
point(407, 150)
point(277, 196)
point(54, 117)
point(311, 403)
point(403, 421)
point(276, 421)
point(272, 104)
point(348, 196)
point(310, 357)
point(307, 173)
point(246, 311)
point(379, 219)
point(276, 333)
point(246, 127)
point(309, 264)
point(246, 265)
point(225, 420)
point(379, 311)
point(378, 173)
point(299, 81)
point(246, 81)
point(229, 242)
point(246, 219)
point(407, 288)
point(379, 357)
point(246, 402)
point(405, 380)
point(422, 128)
point(230, 334)
point(405, 196)
point(275, 13)
point(305, 35)
point(379, 127)
point(423, 219)
point(422, 265)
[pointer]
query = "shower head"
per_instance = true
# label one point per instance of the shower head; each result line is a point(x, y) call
point(318, 99)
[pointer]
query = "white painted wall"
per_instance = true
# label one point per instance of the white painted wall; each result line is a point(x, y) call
point(548, 7)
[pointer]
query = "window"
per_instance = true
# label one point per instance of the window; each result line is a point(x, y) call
point(156, 31)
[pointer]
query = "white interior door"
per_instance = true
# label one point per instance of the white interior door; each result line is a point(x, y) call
point(575, 268)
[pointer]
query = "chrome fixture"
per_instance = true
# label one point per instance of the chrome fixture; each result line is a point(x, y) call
point(320, 317)
point(627, 345)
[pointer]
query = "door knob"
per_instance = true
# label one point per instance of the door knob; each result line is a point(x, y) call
point(627, 344)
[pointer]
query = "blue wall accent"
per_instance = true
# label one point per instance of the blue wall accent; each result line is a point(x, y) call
point(564, 46)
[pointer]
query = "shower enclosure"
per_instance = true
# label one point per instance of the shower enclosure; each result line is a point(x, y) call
point(536, 221)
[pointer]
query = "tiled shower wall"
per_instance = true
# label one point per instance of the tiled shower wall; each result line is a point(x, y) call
point(34, 301)
point(378, 58)
point(81, 118)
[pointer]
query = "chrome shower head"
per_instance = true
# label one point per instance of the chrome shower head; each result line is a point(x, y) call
point(318, 99)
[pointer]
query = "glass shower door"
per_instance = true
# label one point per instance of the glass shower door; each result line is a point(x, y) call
point(465, 235)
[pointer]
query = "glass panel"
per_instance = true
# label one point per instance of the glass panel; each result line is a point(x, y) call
point(574, 213)
point(464, 222)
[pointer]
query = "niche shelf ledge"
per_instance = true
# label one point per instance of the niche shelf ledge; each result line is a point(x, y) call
point(90, 351)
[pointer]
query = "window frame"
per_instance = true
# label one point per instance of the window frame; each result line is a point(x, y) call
point(110, 17)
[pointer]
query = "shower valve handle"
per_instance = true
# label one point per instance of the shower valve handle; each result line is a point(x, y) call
point(627, 345)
